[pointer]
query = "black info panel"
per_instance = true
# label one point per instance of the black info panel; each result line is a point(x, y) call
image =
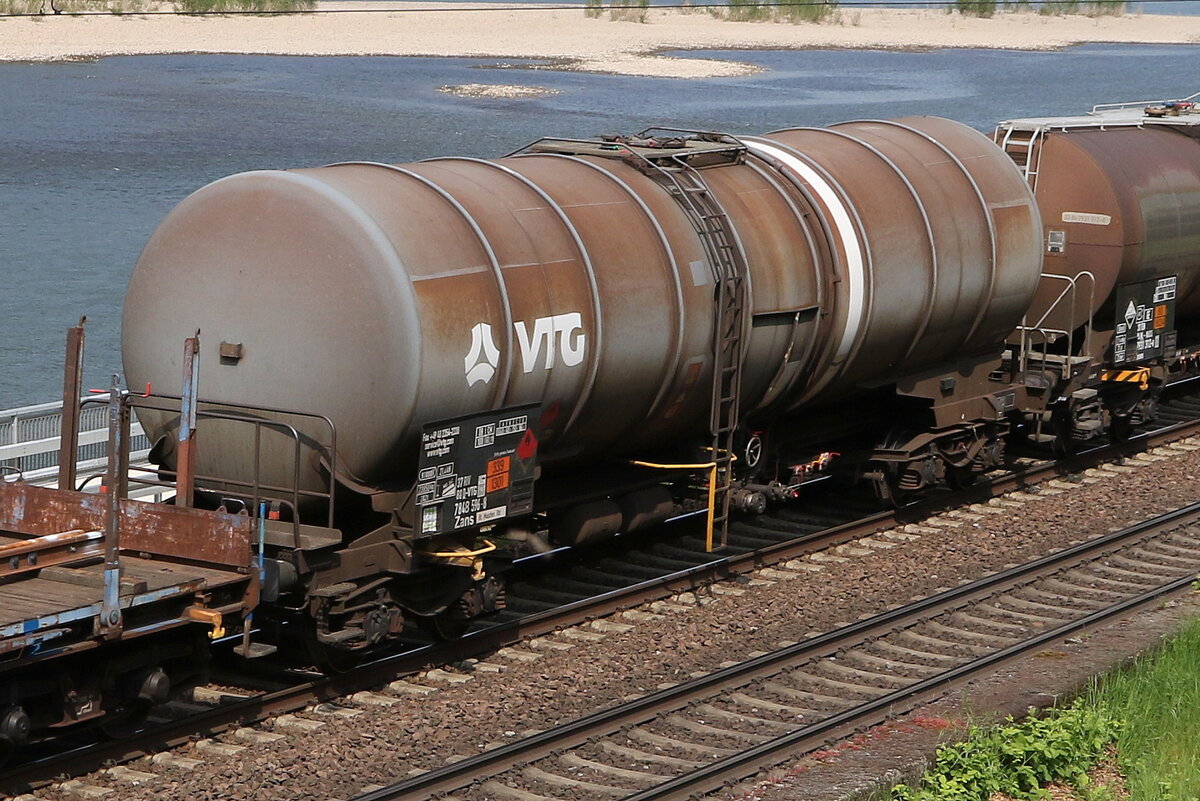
point(477, 470)
point(1145, 324)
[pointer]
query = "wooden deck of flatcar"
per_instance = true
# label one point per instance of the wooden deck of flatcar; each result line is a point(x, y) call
point(46, 606)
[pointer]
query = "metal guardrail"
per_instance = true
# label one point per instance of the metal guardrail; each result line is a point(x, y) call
point(29, 443)
point(1102, 107)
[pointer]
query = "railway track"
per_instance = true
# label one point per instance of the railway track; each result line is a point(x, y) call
point(724, 727)
point(567, 592)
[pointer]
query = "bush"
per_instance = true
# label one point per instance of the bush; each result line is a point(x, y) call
point(806, 12)
point(1105, 8)
point(748, 11)
point(1055, 7)
point(793, 11)
point(630, 11)
point(71, 6)
point(976, 8)
point(1017, 758)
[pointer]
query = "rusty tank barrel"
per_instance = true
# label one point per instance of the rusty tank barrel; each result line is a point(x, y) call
point(931, 239)
point(391, 296)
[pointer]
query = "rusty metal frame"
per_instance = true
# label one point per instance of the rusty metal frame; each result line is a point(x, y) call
point(116, 487)
point(25, 556)
point(185, 488)
point(157, 529)
point(68, 450)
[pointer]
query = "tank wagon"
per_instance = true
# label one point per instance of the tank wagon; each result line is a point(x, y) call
point(560, 345)
point(1114, 317)
point(413, 373)
point(476, 329)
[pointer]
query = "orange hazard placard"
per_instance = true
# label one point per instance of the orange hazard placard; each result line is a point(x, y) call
point(1160, 316)
point(497, 483)
point(498, 466)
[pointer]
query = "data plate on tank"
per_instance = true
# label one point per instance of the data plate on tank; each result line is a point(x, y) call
point(477, 470)
point(1145, 324)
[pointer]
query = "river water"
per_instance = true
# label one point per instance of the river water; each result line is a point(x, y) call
point(93, 155)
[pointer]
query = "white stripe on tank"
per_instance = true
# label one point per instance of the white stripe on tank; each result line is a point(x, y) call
point(843, 227)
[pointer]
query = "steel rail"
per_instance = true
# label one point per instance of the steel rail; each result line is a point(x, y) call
point(489, 764)
point(753, 761)
point(20, 778)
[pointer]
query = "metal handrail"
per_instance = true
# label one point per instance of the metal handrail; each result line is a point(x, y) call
point(1071, 291)
point(1096, 109)
point(240, 414)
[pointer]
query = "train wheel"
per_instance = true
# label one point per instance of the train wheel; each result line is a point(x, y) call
point(445, 626)
point(887, 489)
point(333, 659)
point(960, 478)
point(483, 597)
point(124, 722)
point(1120, 428)
point(14, 730)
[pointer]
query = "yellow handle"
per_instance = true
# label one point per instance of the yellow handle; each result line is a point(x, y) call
point(712, 491)
point(209, 616)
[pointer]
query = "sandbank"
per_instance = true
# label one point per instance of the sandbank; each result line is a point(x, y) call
point(563, 36)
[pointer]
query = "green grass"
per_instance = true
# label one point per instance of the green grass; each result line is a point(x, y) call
point(806, 12)
point(1105, 8)
point(1090, 8)
point(1158, 701)
point(619, 10)
point(748, 11)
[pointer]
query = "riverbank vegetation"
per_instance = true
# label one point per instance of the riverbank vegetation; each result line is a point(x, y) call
point(1050, 8)
point(619, 10)
point(1134, 734)
point(736, 10)
point(118, 7)
point(797, 11)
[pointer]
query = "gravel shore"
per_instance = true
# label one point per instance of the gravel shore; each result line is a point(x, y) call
point(566, 36)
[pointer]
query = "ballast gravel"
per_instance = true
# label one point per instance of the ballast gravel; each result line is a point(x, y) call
point(567, 677)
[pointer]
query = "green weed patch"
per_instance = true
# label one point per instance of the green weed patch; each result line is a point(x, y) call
point(1017, 758)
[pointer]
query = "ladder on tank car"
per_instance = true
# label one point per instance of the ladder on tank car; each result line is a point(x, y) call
point(1023, 146)
point(674, 159)
point(675, 172)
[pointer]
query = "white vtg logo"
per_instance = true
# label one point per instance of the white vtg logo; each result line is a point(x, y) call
point(556, 335)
